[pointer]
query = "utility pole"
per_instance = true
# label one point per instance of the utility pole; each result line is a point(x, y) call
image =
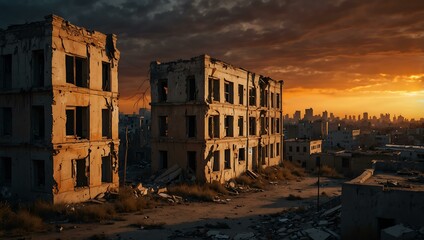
point(319, 172)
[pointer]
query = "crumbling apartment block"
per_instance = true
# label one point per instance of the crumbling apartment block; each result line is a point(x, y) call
point(213, 120)
point(58, 111)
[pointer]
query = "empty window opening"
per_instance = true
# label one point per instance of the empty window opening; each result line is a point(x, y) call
point(241, 94)
point(229, 121)
point(252, 126)
point(266, 150)
point(290, 149)
point(345, 163)
point(163, 126)
point(6, 71)
point(227, 163)
point(242, 154)
point(304, 149)
point(107, 169)
point(39, 174)
point(80, 172)
point(297, 149)
point(106, 123)
point(213, 124)
point(272, 125)
point(163, 90)
point(252, 97)
point(191, 161)
point(240, 126)
point(6, 121)
point(277, 149)
point(163, 159)
point(262, 155)
point(214, 89)
point(229, 92)
point(262, 97)
point(191, 126)
point(264, 125)
point(216, 163)
point(278, 100)
point(106, 83)
point(277, 125)
point(37, 122)
point(77, 71)
point(38, 68)
point(191, 88)
point(272, 100)
point(272, 150)
point(5, 171)
point(77, 122)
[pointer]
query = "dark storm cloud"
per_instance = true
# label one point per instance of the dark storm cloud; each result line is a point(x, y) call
point(323, 39)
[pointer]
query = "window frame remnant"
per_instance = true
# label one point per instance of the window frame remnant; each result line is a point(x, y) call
point(229, 126)
point(242, 154)
point(163, 126)
point(38, 68)
point(252, 96)
point(213, 126)
point(227, 159)
point(6, 66)
point(214, 89)
point(229, 92)
point(241, 94)
point(77, 70)
point(191, 88)
point(191, 126)
point(81, 172)
point(216, 165)
point(106, 77)
point(107, 170)
point(252, 126)
point(240, 123)
point(106, 123)
point(163, 90)
point(79, 126)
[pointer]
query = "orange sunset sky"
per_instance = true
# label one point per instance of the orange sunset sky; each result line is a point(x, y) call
point(347, 57)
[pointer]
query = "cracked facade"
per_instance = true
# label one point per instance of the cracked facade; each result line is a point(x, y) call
point(58, 111)
point(214, 120)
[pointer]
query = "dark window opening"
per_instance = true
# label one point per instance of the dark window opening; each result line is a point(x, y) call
point(229, 121)
point(227, 163)
point(262, 155)
point(37, 122)
point(107, 169)
point(345, 163)
point(240, 94)
point(77, 71)
point(81, 172)
point(106, 123)
point(38, 68)
point(229, 92)
point(106, 83)
point(191, 88)
point(240, 125)
point(264, 125)
point(6, 71)
point(213, 124)
point(272, 100)
point(263, 97)
point(272, 150)
point(272, 125)
point(216, 163)
point(242, 154)
point(77, 122)
point(214, 89)
point(191, 160)
point(163, 126)
point(277, 150)
point(39, 173)
point(5, 171)
point(304, 149)
point(163, 90)
point(6, 121)
point(290, 149)
point(266, 150)
point(277, 125)
point(297, 149)
point(252, 126)
point(163, 159)
point(191, 126)
point(278, 100)
point(252, 97)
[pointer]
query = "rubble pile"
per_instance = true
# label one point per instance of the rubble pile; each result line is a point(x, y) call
point(303, 223)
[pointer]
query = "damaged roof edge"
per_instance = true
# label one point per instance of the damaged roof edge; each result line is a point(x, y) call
point(212, 60)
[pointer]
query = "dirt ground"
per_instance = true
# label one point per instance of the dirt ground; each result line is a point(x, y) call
point(241, 213)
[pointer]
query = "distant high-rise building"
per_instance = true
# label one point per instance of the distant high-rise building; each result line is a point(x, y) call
point(365, 118)
point(309, 114)
point(296, 116)
point(325, 115)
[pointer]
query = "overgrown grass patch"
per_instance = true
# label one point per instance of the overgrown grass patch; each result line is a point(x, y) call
point(194, 191)
point(20, 221)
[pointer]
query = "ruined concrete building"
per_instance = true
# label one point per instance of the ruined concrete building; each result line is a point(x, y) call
point(58, 111)
point(214, 120)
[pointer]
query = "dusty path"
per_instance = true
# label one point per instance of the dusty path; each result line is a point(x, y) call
point(240, 214)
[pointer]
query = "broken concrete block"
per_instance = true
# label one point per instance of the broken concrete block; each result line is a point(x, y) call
point(317, 234)
point(241, 236)
point(162, 190)
point(397, 232)
point(212, 233)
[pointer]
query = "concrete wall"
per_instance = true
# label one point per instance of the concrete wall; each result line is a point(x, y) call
point(57, 38)
point(364, 205)
point(177, 108)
